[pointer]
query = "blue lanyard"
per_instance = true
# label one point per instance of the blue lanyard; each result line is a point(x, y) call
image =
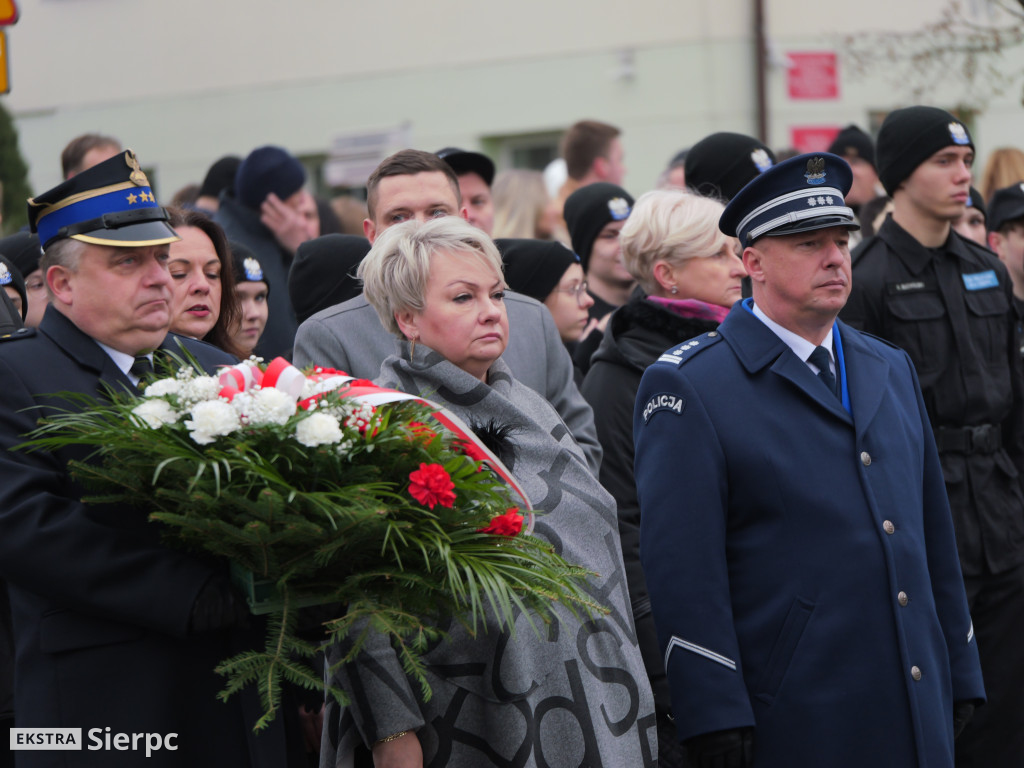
point(837, 342)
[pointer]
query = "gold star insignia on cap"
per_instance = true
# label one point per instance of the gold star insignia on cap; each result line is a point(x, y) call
point(133, 197)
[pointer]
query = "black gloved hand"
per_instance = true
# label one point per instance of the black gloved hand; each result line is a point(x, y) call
point(733, 748)
point(963, 711)
point(217, 606)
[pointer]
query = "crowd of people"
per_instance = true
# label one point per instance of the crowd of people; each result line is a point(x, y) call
point(774, 406)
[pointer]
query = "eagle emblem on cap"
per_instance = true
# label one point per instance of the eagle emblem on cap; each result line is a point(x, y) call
point(958, 133)
point(815, 170)
point(5, 275)
point(253, 270)
point(137, 176)
point(618, 208)
point(761, 159)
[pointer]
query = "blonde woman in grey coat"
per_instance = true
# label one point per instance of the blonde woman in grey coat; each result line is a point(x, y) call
point(575, 695)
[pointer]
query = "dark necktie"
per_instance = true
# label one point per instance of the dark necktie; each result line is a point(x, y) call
point(141, 369)
point(819, 358)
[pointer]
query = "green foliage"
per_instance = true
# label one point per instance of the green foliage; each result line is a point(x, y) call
point(13, 175)
point(328, 524)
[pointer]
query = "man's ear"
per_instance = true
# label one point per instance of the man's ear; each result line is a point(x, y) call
point(600, 167)
point(753, 263)
point(58, 279)
point(370, 230)
point(995, 240)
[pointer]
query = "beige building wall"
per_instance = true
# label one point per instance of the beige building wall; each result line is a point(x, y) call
point(185, 83)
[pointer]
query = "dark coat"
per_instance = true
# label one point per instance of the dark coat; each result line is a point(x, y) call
point(801, 561)
point(951, 309)
point(100, 607)
point(637, 334)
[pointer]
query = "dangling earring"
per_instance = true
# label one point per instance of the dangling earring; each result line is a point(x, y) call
point(674, 290)
point(412, 347)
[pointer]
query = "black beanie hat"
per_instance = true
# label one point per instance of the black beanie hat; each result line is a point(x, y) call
point(11, 275)
point(977, 201)
point(534, 267)
point(589, 209)
point(247, 268)
point(911, 135)
point(323, 273)
point(23, 250)
point(221, 176)
point(852, 142)
point(265, 170)
point(722, 164)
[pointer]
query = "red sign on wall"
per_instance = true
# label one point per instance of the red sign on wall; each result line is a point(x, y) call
point(812, 138)
point(813, 75)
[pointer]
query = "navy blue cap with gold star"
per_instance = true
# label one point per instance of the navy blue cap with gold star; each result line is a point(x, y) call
point(108, 204)
point(804, 193)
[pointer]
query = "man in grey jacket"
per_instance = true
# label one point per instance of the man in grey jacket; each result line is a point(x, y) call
point(419, 185)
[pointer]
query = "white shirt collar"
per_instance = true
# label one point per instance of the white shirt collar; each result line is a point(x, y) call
point(801, 347)
point(123, 360)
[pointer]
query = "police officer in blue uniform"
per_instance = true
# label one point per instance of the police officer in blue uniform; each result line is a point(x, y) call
point(795, 533)
point(949, 303)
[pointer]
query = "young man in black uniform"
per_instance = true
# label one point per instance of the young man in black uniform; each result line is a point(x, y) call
point(949, 303)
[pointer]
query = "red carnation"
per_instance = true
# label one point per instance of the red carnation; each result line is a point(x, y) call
point(431, 485)
point(508, 524)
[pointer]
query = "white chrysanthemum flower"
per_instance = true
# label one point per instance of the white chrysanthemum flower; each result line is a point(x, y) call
point(270, 406)
point(200, 388)
point(210, 420)
point(163, 387)
point(156, 412)
point(318, 429)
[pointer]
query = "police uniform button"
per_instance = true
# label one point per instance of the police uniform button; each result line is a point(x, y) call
point(865, 459)
point(888, 527)
point(915, 672)
point(902, 598)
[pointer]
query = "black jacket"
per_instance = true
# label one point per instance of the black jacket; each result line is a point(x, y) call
point(101, 607)
point(951, 308)
point(637, 334)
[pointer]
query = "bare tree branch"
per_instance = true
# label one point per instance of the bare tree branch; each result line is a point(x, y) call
point(960, 49)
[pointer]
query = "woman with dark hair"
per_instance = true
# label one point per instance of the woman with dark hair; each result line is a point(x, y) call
point(204, 305)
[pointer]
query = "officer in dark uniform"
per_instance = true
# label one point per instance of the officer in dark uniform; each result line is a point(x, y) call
point(795, 534)
point(949, 303)
point(114, 632)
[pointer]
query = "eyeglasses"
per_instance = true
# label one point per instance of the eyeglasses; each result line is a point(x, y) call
point(579, 291)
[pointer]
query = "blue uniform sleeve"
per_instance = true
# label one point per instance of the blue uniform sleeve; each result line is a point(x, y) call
point(683, 490)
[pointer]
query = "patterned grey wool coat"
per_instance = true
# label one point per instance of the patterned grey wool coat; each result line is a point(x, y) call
point(579, 695)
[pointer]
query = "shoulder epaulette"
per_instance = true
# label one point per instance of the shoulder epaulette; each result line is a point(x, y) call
point(20, 333)
point(688, 350)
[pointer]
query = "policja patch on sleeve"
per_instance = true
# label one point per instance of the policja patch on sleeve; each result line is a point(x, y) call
point(664, 401)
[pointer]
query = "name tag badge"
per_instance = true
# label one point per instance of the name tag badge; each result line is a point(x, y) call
point(979, 281)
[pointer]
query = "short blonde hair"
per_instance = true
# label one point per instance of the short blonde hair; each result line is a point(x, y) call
point(395, 271)
point(669, 225)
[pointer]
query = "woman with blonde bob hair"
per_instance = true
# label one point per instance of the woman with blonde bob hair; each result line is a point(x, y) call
point(690, 275)
point(576, 691)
